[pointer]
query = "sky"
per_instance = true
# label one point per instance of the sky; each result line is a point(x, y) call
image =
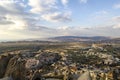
point(26, 19)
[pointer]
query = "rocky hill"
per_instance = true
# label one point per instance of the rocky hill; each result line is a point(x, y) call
point(66, 62)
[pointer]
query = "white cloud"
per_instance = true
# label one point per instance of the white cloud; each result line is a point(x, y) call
point(57, 17)
point(65, 2)
point(83, 1)
point(64, 28)
point(5, 21)
point(91, 31)
point(49, 10)
point(116, 18)
point(116, 6)
point(39, 6)
point(11, 12)
point(117, 26)
point(17, 22)
point(15, 17)
point(116, 21)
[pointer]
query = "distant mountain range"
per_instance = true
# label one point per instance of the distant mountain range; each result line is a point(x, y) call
point(72, 39)
point(78, 38)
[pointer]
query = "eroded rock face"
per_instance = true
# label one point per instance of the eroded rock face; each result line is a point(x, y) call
point(37, 76)
point(19, 67)
point(40, 60)
point(16, 68)
point(6, 78)
point(48, 58)
point(4, 59)
point(32, 63)
point(46, 66)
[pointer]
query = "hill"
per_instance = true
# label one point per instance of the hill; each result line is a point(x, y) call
point(78, 38)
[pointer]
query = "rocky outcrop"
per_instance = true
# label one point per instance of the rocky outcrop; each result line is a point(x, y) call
point(32, 63)
point(16, 68)
point(6, 78)
point(48, 58)
point(25, 67)
point(4, 59)
point(48, 65)
point(85, 76)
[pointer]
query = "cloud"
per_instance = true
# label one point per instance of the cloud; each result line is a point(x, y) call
point(20, 21)
point(83, 1)
point(116, 6)
point(39, 6)
point(65, 2)
point(57, 17)
point(5, 21)
point(64, 27)
point(11, 14)
point(16, 23)
point(14, 16)
point(91, 31)
point(117, 26)
point(49, 10)
point(116, 18)
point(116, 21)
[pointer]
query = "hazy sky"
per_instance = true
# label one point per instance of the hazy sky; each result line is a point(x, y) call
point(22, 19)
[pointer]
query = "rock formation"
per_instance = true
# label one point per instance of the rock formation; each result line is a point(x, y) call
point(4, 59)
